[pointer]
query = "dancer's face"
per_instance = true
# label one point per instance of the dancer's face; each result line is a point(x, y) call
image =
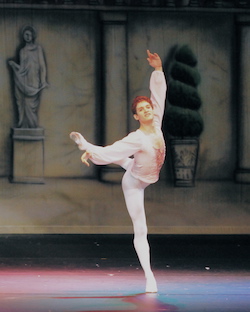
point(27, 36)
point(144, 112)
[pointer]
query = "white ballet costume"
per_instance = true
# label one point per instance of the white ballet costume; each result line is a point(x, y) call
point(141, 170)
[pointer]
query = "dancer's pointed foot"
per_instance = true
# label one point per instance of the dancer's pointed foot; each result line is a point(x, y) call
point(79, 140)
point(151, 286)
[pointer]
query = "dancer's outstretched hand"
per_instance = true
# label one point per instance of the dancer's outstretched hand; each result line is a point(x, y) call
point(154, 60)
point(85, 157)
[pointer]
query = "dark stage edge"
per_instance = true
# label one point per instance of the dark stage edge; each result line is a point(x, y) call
point(180, 251)
point(76, 273)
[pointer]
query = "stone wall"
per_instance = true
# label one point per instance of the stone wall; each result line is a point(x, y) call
point(76, 64)
point(96, 64)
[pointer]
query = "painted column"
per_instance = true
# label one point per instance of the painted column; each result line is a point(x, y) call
point(114, 85)
point(243, 169)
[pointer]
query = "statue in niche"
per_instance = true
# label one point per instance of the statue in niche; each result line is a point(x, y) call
point(29, 78)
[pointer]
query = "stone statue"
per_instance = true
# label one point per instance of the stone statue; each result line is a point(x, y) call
point(29, 78)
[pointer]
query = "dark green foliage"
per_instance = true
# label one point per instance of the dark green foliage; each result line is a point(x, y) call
point(185, 73)
point(184, 122)
point(186, 56)
point(183, 119)
point(183, 95)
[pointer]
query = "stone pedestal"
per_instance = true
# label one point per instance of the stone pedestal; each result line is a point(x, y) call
point(28, 155)
point(243, 170)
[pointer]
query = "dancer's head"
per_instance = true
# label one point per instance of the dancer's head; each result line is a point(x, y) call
point(138, 100)
point(142, 109)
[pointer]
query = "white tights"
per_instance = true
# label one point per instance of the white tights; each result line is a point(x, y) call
point(133, 190)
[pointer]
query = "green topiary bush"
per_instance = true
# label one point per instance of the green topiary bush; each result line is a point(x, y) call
point(179, 121)
point(183, 95)
point(185, 73)
point(183, 118)
point(186, 56)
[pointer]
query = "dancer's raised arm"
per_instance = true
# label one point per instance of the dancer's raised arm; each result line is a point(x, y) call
point(158, 87)
point(154, 60)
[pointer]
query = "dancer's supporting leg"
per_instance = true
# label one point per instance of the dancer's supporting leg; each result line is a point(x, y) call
point(133, 190)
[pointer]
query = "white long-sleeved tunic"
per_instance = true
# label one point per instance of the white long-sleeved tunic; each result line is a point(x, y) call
point(148, 160)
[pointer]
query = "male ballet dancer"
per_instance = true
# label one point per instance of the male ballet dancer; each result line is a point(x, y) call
point(147, 147)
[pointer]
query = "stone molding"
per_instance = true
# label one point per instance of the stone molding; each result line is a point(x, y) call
point(227, 5)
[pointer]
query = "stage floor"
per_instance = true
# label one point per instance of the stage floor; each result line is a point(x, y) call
point(74, 273)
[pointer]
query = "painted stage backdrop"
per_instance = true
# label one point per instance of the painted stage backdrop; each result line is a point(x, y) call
point(93, 65)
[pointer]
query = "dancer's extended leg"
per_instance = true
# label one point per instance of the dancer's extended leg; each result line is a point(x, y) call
point(133, 190)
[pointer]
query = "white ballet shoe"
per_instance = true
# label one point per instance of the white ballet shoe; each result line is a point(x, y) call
point(151, 286)
point(79, 140)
